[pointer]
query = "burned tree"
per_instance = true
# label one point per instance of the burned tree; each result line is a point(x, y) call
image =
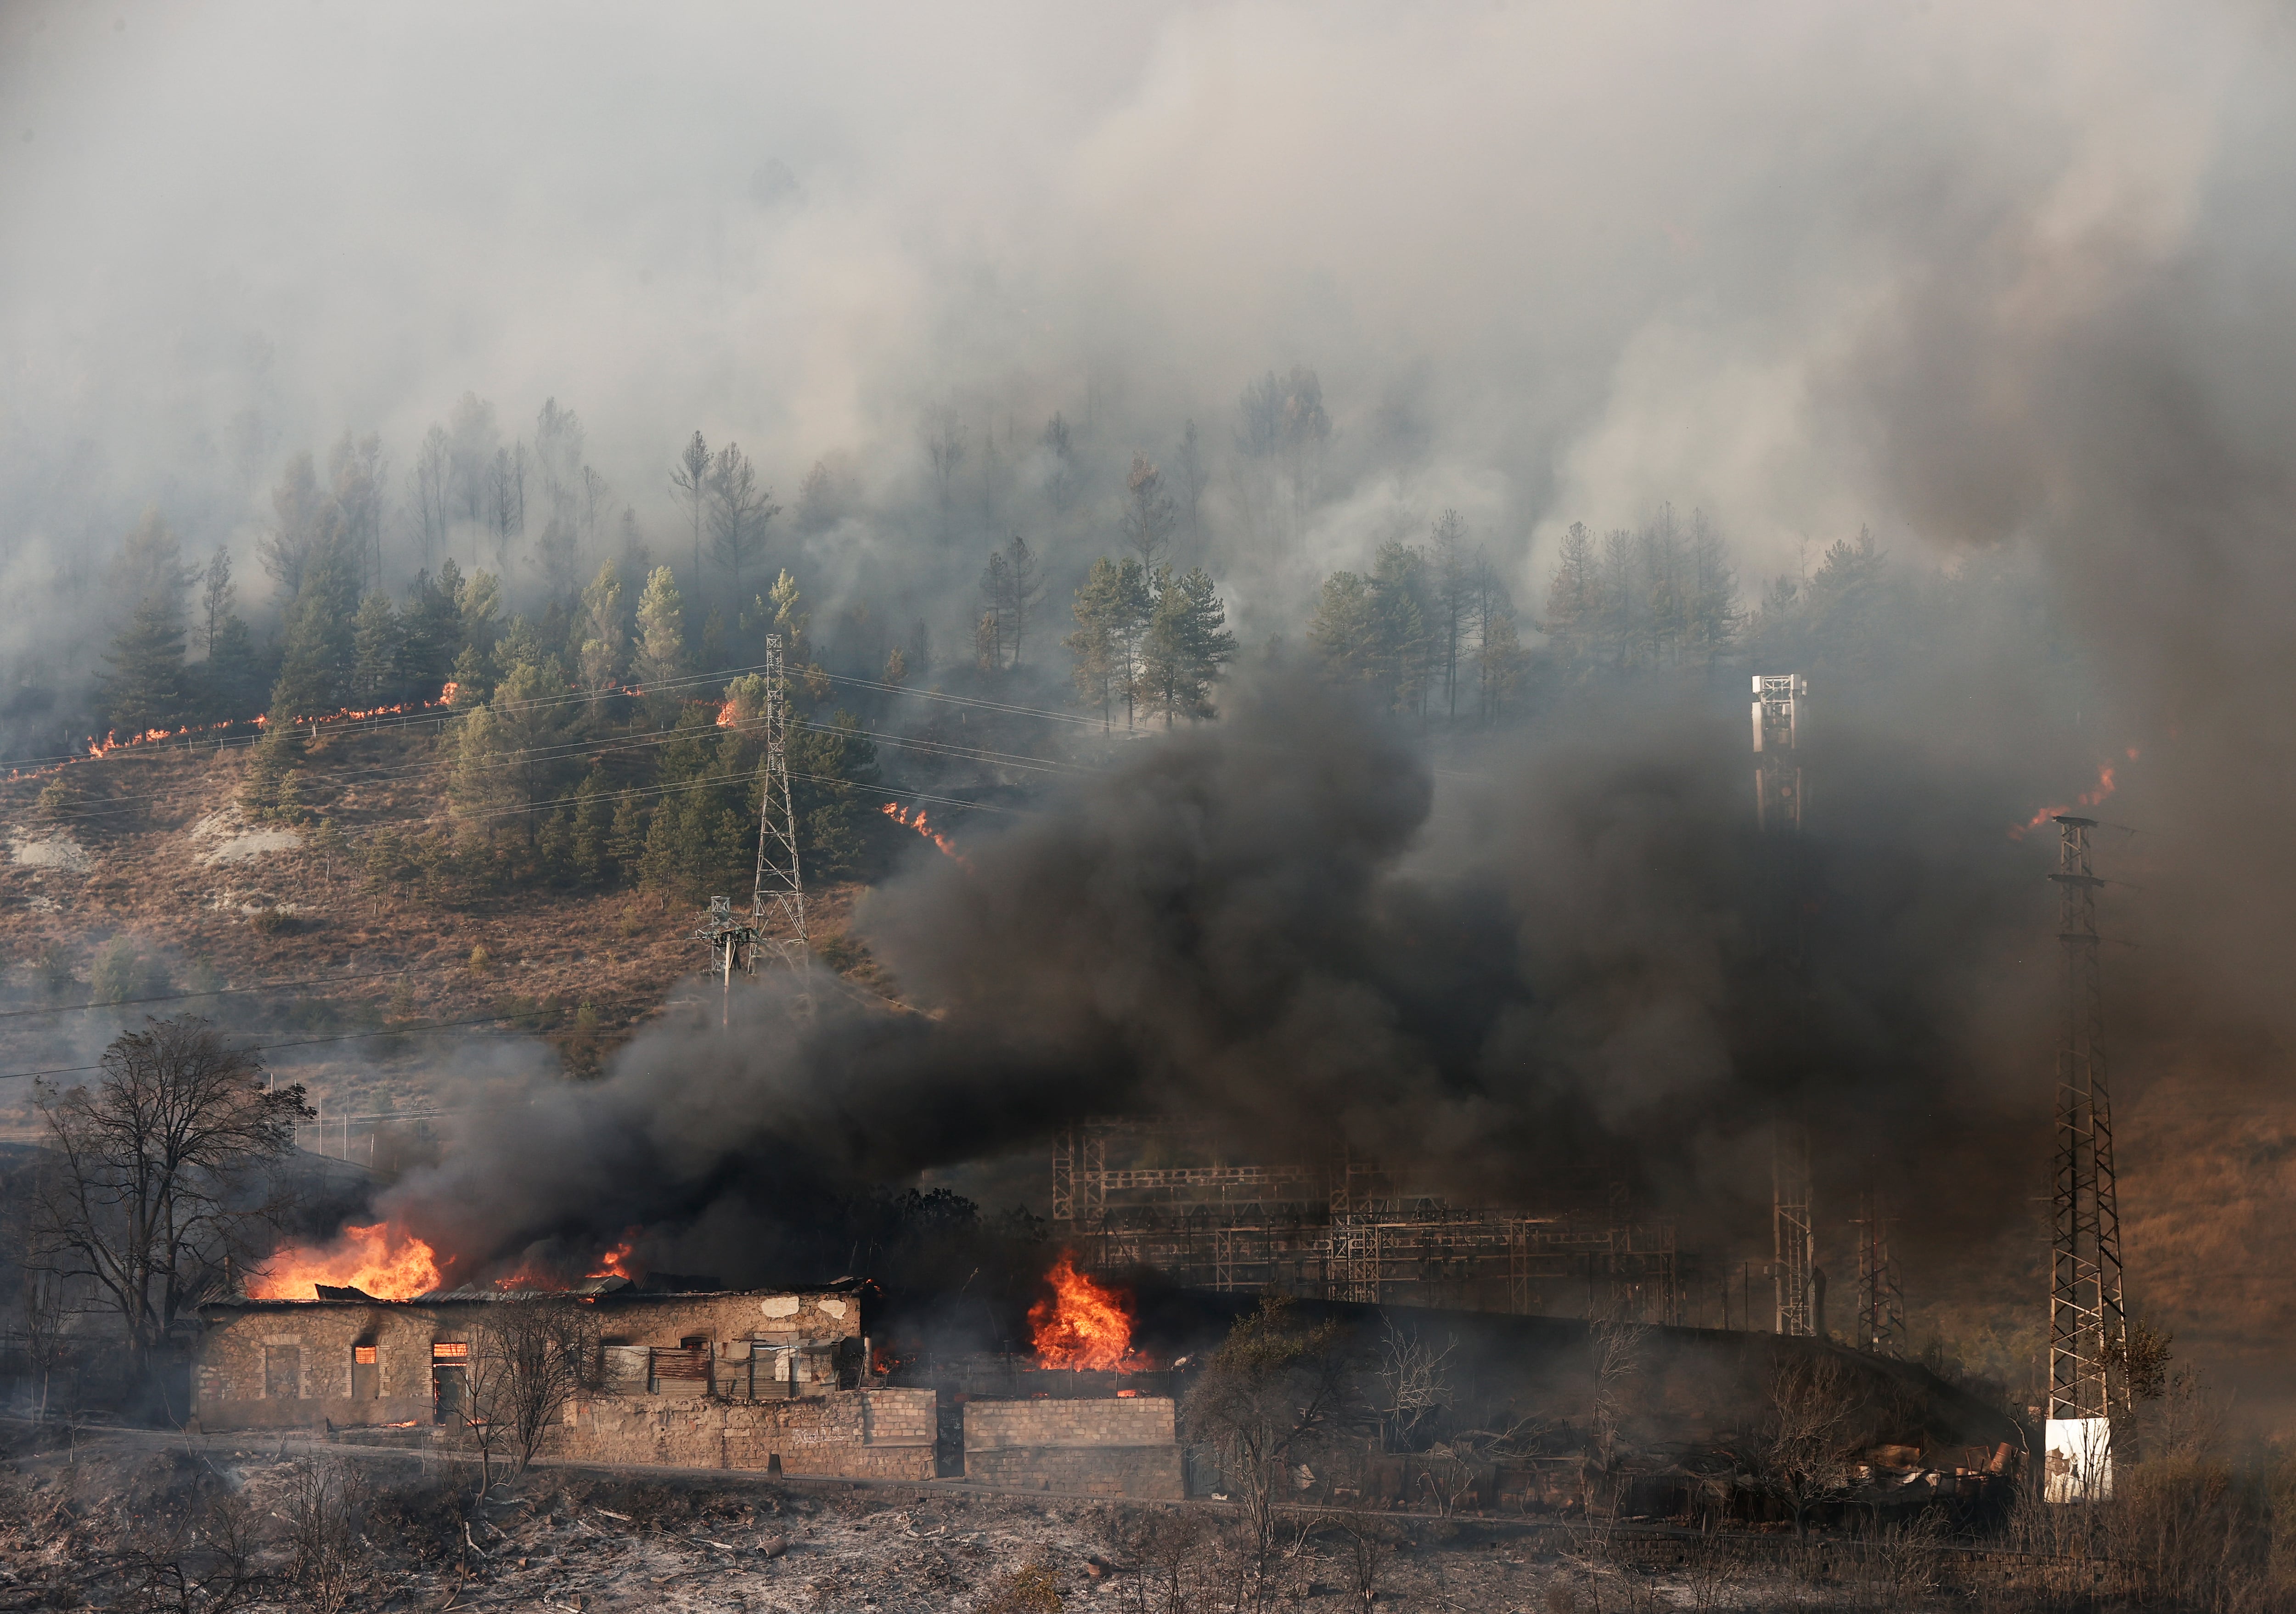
point(1803, 1448)
point(530, 1356)
point(160, 1176)
point(1273, 1391)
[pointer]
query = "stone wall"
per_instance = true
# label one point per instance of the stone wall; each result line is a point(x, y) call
point(1112, 1447)
point(880, 1434)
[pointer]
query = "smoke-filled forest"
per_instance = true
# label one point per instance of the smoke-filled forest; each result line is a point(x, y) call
point(1196, 575)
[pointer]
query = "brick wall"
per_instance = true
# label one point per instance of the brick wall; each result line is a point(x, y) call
point(1105, 1448)
point(882, 1434)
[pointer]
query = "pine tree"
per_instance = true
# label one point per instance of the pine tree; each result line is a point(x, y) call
point(791, 620)
point(661, 635)
point(431, 630)
point(1405, 610)
point(235, 677)
point(1149, 515)
point(1186, 646)
point(144, 689)
point(1446, 557)
point(740, 507)
point(1344, 632)
point(604, 637)
point(377, 637)
point(1574, 601)
point(1111, 613)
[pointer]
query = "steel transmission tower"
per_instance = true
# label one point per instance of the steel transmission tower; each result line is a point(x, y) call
point(1777, 766)
point(775, 925)
point(1778, 810)
point(1794, 1245)
point(2089, 1327)
point(1881, 1302)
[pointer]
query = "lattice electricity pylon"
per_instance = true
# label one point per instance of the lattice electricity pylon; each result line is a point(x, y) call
point(1881, 1300)
point(780, 892)
point(1794, 1246)
point(1777, 734)
point(2088, 1326)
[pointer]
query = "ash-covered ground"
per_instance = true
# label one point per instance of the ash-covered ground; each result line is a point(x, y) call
point(115, 1519)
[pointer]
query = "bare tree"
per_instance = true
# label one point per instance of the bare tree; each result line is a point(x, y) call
point(1415, 1382)
point(531, 1355)
point(1802, 1448)
point(1617, 1342)
point(327, 1562)
point(433, 475)
point(216, 598)
point(160, 1173)
point(1273, 1390)
point(689, 480)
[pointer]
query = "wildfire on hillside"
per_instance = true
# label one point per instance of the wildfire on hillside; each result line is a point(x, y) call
point(382, 1260)
point(916, 821)
point(1081, 1325)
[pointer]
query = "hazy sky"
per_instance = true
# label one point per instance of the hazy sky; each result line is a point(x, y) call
point(1609, 255)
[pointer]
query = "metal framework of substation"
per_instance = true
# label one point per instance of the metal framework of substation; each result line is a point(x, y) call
point(1340, 1229)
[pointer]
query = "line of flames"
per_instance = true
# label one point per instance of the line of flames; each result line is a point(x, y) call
point(2106, 785)
point(386, 1261)
point(95, 749)
point(916, 821)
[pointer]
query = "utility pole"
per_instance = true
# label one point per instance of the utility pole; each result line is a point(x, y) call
point(2088, 1324)
point(775, 923)
point(1880, 1301)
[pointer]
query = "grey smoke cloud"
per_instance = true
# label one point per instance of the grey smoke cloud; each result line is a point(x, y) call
point(1993, 282)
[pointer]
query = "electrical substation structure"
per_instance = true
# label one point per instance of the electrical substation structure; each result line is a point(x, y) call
point(1343, 1228)
point(2088, 1322)
point(775, 925)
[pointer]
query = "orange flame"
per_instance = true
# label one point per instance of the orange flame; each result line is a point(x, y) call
point(387, 1262)
point(729, 713)
point(615, 1263)
point(916, 821)
point(2105, 786)
point(1081, 1325)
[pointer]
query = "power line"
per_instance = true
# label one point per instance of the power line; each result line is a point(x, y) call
point(170, 997)
point(301, 1042)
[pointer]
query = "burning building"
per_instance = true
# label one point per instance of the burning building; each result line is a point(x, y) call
point(773, 1379)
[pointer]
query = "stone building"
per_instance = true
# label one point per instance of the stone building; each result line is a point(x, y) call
point(752, 1379)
